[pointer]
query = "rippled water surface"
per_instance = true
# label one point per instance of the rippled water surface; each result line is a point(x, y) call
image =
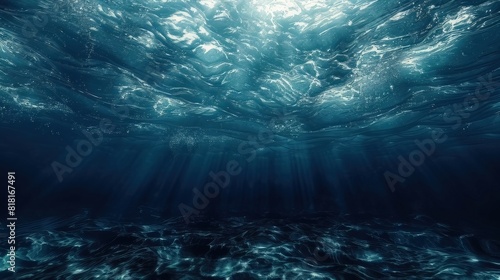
point(195, 73)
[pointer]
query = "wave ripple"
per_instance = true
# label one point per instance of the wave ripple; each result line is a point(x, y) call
point(339, 69)
point(257, 248)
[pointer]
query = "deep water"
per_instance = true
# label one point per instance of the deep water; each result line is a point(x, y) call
point(232, 139)
point(320, 247)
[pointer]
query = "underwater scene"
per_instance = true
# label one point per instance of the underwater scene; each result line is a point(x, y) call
point(250, 139)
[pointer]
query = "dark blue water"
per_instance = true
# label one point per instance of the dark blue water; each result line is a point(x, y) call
point(314, 139)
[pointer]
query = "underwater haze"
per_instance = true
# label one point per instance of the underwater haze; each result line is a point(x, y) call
point(280, 139)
